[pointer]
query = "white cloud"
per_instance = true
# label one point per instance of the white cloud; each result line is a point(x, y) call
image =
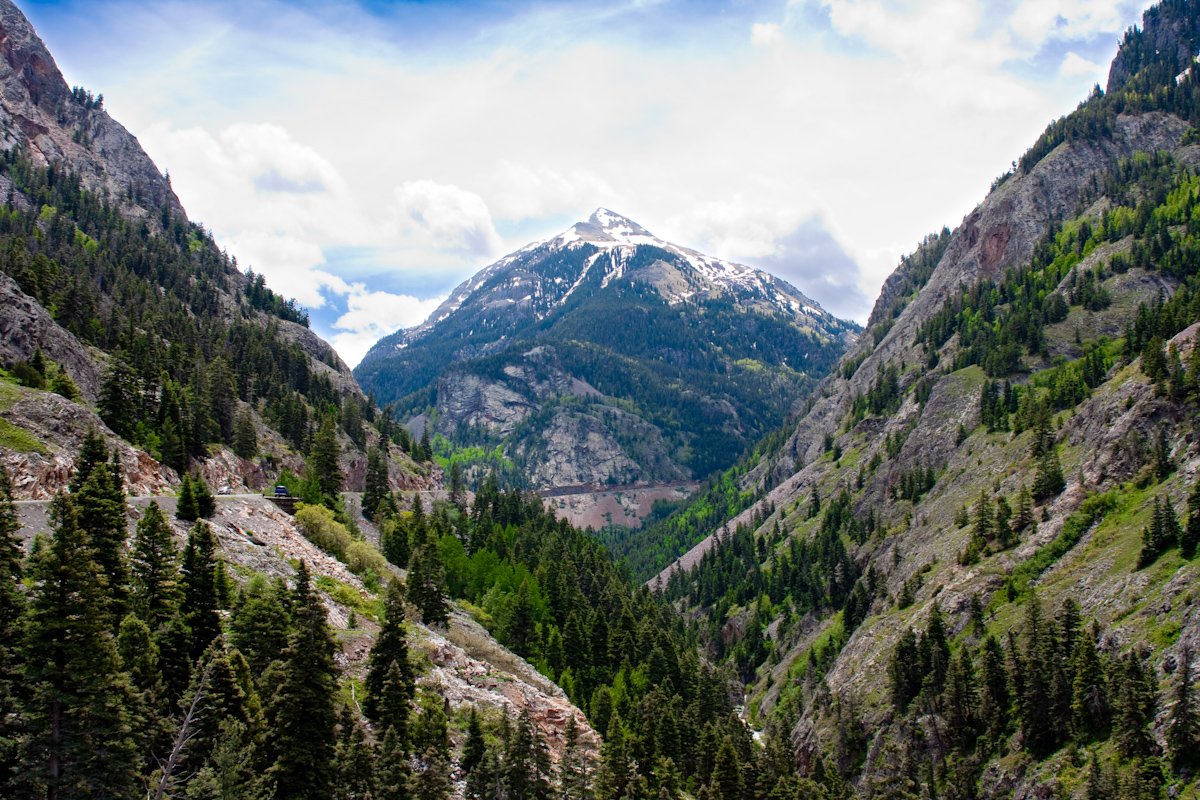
point(1074, 65)
point(849, 146)
point(521, 191)
point(443, 216)
point(371, 315)
point(1036, 21)
point(763, 34)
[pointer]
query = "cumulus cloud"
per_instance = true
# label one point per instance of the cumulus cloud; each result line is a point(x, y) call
point(522, 190)
point(371, 315)
point(1074, 64)
point(864, 125)
point(444, 216)
point(763, 34)
point(785, 242)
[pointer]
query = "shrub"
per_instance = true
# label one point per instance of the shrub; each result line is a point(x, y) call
point(319, 526)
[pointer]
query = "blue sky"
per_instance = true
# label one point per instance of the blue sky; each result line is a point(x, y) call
point(368, 156)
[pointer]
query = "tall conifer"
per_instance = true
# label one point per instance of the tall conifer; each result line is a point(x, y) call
point(80, 740)
point(302, 740)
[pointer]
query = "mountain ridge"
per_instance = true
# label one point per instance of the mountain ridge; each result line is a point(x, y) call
point(607, 356)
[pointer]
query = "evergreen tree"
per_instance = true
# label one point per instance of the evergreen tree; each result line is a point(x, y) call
point(456, 484)
point(206, 504)
point(154, 566)
point(120, 397)
point(186, 508)
point(302, 739)
point(483, 782)
point(432, 780)
point(429, 730)
point(1049, 478)
point(1090, 710)
point(1183, 725)
point(727, 781)
point(245, 439)
point(100, 506)
point(93, 452)
point(1037, 726)
point(616, 769)
point(961, 702)
point(390, 680)
point(391, 768)
point(475, 745)
point(12, 603)
point(323, 468)
point(1134, 709)
point(376, 490)
point(200, 606)
point(427, 585)
point(80, 739)
point(261, 622)
point(526, 770)
point(573, 770)
point(1024, 516)
point(393, 541)
point(354, 757)
point(1189, 538)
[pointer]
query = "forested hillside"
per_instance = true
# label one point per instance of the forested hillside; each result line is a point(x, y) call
point(968, 570)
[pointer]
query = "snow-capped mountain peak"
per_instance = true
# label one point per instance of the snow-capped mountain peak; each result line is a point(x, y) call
point(539, 279)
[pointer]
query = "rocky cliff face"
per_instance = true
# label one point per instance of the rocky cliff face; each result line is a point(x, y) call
point(40, 113)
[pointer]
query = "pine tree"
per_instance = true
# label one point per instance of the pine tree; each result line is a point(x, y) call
point(12, 604)
point(1190, 536)
point(261, 622)
point(354, 761)
point(200, 606)
point(432, 780)
point(1024, 516)
point(573, 769)
point(727, 781)
point(206, 504)
point(93, 452)
point(1183, 725)
point(616, 771)
point(1134, 709)
point(302, 739)
point(391, 768)
point(1037, 727)
point(393, 541)
point(120, 397)
point(1049, 478)
point(961, 702)
point(427, 585)
point(100, 505)
point(376, 490)
point(80, 739)
point(526, 770)
point(390, 680)
point(154, 568)
point(429, 730)
point(474, 746)
point(456, 484)
point(1162, 455)
point(245, 440)
point(1090, 711)
point(323, 468)
point(186, 508)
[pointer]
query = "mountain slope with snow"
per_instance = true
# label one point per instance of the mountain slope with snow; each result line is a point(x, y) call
point(607, 356)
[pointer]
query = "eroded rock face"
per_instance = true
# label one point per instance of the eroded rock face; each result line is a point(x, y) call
point(38, 110)
point(25, 327)
point(472, 401)
point(60, 427)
